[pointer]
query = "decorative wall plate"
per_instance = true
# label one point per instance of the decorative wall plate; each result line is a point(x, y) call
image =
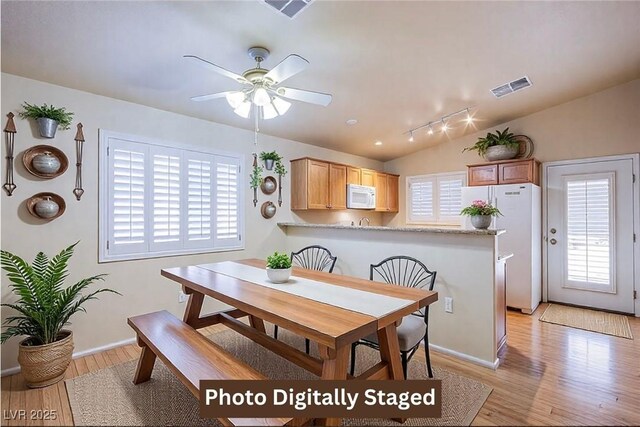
point(269, 185)
point(30, 154)
point(33, 200)
point(525, 149)
point(268, 210)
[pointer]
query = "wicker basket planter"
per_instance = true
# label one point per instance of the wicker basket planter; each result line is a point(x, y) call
point(43, 365)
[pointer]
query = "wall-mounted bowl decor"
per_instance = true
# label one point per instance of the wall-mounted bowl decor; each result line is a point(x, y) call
point(41, 160)
point(42, 206)
point(268, 210)
point(268, 185)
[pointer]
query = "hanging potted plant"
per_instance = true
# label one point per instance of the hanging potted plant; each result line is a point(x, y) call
point(281, 171)
point(497, 146)
point(44, 307)
point(48, 118)
point(481, 213)
point(269, 158)
point(255, 179)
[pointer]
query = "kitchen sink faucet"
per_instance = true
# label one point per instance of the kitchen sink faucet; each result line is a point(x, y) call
point(365, 219)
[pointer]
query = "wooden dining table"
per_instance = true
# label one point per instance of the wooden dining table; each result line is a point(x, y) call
point(329, 309)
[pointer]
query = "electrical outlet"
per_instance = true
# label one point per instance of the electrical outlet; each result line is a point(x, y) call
point(182, 297)
point(448, 304)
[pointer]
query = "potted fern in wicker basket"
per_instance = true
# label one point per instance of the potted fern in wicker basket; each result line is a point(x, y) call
point(43, 307)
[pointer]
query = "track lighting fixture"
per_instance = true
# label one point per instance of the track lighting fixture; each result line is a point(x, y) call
point(442, 121)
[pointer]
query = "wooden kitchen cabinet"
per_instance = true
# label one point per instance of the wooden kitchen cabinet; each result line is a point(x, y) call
point(337, 186)
point(368, 177)
point(353, 175)
point(318, 185)
point(386, 192)
point(517, 171)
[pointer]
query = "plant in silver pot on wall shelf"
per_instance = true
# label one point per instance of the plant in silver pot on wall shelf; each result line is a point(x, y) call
point(278, 267)
point(48, 118)
point(481, 213)
point(44, 306)
point(497, 146)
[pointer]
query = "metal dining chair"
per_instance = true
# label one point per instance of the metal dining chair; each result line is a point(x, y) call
point(313, 257)
point(409, 272)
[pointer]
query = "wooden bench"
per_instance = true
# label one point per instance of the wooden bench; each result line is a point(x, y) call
point(191, 357)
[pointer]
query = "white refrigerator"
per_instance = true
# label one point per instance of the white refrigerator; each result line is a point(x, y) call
point(520, 205)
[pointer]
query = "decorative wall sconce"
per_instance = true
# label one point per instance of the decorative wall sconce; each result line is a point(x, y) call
point(78, 191)
point(9, 135)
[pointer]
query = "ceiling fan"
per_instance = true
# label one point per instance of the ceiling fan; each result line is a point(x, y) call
point(261, 87)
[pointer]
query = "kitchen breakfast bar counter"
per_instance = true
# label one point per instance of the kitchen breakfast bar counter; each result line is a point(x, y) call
point(470, 271)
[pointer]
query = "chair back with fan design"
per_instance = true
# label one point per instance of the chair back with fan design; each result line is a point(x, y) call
point(314, 257)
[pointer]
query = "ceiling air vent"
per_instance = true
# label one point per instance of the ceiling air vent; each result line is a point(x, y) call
point(290, 8)
point(511, 87)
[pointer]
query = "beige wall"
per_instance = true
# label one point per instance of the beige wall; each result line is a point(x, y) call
point(601, 124)
point(139, 281)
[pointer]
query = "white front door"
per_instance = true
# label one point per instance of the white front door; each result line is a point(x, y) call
point(590, 233)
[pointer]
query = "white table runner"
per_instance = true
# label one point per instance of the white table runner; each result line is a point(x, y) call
point(369, 303)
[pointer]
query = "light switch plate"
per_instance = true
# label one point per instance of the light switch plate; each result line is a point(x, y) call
point(448, 304)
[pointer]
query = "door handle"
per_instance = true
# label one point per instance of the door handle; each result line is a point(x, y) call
point(553, 241)
point(553, 231)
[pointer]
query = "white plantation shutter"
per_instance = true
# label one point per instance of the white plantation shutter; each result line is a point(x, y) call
point(435, 198)
point(589, 232)
point(227, 201)
point(421, 200)
point(166, 215)
point(126, 185)
point(450, 197)
point(199, 201)
point(159, 200)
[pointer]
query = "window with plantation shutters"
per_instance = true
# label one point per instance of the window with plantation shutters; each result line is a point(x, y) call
point(159, 200)
point(435, 199)
point(227, 201)
point(589, 241)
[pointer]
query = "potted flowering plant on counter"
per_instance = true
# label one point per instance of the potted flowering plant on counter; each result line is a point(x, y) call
point(481, 213)
point(278, 267)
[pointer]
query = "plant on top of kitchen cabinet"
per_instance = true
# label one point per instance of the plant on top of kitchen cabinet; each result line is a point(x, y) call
point(48, 118)
point(496, 146)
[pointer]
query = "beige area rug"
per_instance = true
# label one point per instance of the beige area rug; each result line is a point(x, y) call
point(108, 397)
point(589, 320)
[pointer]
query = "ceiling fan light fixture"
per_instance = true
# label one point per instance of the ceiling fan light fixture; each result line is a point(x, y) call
point(281, 105)
point(261, 97)
point(235, 99)
point(269, 111)
point(243, 110)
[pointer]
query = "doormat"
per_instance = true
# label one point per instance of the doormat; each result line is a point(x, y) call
point(588, 320)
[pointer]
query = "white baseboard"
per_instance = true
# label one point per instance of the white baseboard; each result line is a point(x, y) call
point(76, 355)
point(464, 356)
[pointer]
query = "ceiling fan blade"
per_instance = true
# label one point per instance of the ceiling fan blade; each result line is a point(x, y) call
point(213, 67)
point(311, 97)
point(212, 96)
point(290, 66)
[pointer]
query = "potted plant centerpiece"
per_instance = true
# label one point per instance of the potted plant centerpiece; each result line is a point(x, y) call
point(278, 267)
point(44, 306)
point(481, 213)
point(497, 146)
point(48, 118)
point(270, 158)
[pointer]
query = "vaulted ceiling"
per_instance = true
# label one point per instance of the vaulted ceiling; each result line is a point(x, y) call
point(391, 65)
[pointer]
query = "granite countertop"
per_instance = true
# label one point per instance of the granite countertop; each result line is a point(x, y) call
point(443, 230)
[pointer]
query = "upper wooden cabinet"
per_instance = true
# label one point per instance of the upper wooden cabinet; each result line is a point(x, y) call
point(386, 192)
point(316, 184)
point(353, 175)
point(517, 171)
point(368, 177)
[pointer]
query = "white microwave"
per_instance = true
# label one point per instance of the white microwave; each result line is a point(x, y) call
point(361, 197)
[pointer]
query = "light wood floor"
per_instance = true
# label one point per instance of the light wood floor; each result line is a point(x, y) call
point(550, 375)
